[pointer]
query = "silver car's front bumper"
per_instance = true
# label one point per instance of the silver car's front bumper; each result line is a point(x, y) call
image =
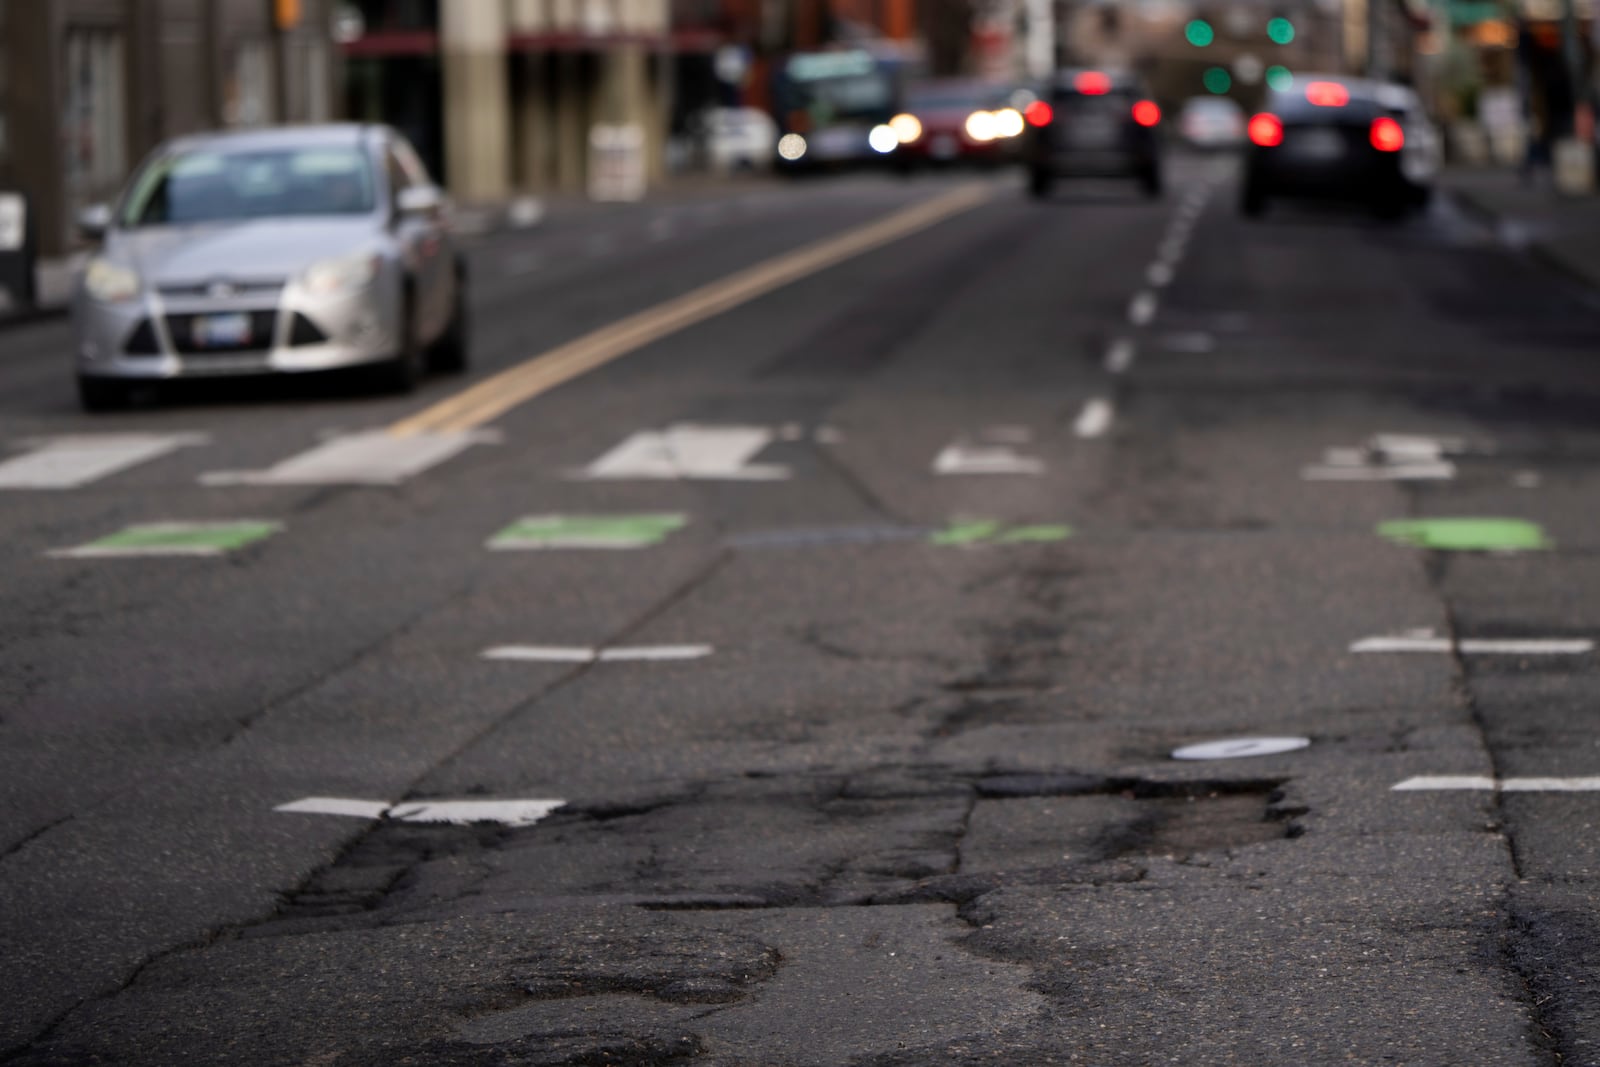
point(154, 335)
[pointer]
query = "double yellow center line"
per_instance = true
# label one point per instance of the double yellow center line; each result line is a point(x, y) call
point(492, 397)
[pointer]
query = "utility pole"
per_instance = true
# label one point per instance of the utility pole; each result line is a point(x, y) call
point(1376, 58)
point(285, 17)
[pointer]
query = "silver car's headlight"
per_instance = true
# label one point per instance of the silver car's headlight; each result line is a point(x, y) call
point(109, 282)
point(345, 274)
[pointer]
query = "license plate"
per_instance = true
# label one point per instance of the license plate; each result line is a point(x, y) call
point(1317, 144)
point(222, 331)
point(838, 142)
point(1093, 130)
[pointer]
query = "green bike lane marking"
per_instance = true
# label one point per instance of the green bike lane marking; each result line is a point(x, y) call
point(174, 539)
point(991, 531)
point(1467, 534)
point(588, 531)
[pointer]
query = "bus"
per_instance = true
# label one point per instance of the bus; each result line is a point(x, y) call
point(832, 108)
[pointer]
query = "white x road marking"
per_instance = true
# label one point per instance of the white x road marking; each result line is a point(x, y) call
point(74, 461)
point(689, 451)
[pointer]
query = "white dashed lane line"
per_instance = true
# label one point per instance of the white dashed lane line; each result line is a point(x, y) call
point(579, 654)
point(1449, 782)
point(1095, 418)
point(1119, 357)
point(1142, 308)
point(453, 812)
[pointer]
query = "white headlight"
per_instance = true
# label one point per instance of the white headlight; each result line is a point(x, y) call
point(981, 126)
point(882, 139)
point(109, 283)
point(791, 146)
point(906, 127)
point(345, 274)
point(1008, 122)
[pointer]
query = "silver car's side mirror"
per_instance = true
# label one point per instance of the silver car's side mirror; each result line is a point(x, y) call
point(94, 221)
point(420, 200)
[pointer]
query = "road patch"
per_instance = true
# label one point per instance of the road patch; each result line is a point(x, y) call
point(588, 531)
point(688, 451)
point(1467, 534)
point(73, 461)
point(1241, 748)
point(374, 457)
point(514, 813)
point(580, 654)
point(174, 539)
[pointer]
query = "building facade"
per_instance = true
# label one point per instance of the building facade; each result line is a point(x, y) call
point(87, 87)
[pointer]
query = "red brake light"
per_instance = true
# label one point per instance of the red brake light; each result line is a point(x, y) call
point(1146, 113)
point(1038, 113)
point(1266, 130)
point(1327, 94)
point(1387, 136)
point(1092, 83)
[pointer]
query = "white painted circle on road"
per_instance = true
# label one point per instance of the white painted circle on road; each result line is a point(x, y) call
point(1240, 747)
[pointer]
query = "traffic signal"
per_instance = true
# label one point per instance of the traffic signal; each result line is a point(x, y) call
point(1280, 30)
point(1199, 33)
point(1217, 80)
point(1280, 79)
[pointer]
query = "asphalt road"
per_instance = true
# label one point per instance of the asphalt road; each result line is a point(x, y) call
point(847, 651)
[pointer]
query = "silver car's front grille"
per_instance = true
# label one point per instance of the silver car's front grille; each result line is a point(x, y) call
point(224, 288)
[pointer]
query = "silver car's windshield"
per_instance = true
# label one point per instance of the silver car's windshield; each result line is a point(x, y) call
point(211, 185)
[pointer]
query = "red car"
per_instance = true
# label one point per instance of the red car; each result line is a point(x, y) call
point(958, 122)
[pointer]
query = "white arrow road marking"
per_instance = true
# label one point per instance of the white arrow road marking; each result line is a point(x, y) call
point(1389, 457)
point(579, 654)
point(69, 462)
point(456, 812)
point(1119, 357)
point(962, 458)
point(375, 457)
point(1474, 646)
point(1433, 782)
point(1095, 418)
point(689, 451)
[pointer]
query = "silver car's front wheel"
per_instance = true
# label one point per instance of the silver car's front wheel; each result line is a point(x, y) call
point(402, 373)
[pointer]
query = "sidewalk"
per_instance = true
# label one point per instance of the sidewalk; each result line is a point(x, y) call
point(52, 290)
point(1563, 231)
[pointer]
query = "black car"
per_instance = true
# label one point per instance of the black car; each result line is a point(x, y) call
point(1336, 138)
point(1093, 124)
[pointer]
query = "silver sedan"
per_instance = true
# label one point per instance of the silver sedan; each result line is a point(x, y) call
point(275, 251)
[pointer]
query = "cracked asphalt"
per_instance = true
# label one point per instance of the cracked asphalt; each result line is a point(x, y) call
point(914, 801)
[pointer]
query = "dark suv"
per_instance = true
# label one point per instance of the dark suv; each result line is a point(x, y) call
point(1093, 124)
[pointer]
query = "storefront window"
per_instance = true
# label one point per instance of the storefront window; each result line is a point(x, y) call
point(93, 125)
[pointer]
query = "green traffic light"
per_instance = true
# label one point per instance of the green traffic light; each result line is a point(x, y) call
point(1279, 79)
point(1280, 30)
point(1217, 80)
point(1199, 33)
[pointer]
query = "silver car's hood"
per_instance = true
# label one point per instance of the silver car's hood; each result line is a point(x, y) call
point(265, 249)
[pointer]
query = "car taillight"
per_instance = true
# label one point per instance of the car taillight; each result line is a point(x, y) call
point(1387, 136)
point(1266, 130)
point(1146, 113)
point(1038, 113)
point(1092, 83)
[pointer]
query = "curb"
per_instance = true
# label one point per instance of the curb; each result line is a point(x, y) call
point(1534, 248)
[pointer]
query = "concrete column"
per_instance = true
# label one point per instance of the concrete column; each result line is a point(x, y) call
point(477, 112)
point(571, 123)
point(536, 127)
